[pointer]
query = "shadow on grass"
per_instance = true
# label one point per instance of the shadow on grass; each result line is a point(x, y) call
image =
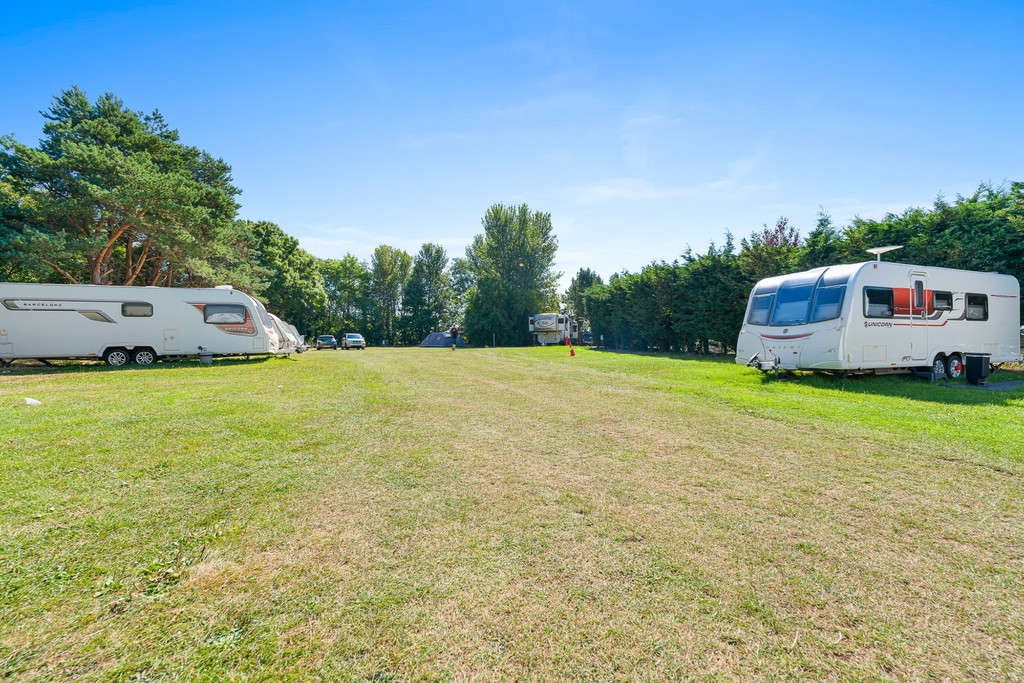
point(726, 359)
point(70, 366)
point(956, 392)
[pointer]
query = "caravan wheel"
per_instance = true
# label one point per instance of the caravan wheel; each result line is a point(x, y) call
point(116, 357)
point(144, 357)
point(954, 366)
point(939, 366)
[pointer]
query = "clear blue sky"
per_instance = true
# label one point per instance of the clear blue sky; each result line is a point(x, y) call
point(642, 127)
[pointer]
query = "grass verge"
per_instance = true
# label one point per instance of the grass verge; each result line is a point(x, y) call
point(418, 514)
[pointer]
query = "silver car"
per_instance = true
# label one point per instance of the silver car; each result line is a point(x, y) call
point(353, 341)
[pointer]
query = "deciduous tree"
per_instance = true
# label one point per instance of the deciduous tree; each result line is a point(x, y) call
point(573, 297)
point(427, 301)
point(389, 271)
point(512, 269)
point(346, 283)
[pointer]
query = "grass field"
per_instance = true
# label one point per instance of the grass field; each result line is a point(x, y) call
point(513, 514)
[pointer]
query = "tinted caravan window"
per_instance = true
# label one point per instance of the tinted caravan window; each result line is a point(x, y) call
point(977, 307)
point(793, 301)
point(216, 314)
point(918, 294)
point(827, 303)
point(136, 309)
point(877, 302)
point(759, 307)
point(942, 301)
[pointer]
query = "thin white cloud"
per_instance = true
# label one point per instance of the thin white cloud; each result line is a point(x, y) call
point(639, 189)
point(415, 140)
point(559, 101)
point(336, 242)
point(642, 136)
point(735, 185)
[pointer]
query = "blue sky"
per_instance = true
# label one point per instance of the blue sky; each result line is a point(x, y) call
point(642, 127)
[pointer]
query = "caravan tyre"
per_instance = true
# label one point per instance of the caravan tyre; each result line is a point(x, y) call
point(939, 366)
point(116, 357)
point(144, 357)
point(954, 366)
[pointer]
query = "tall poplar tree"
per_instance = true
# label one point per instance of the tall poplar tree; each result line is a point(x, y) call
point(512, 269)
point(427, 301)
point(389, 271)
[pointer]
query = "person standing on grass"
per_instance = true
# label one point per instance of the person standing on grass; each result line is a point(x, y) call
point(454, 332)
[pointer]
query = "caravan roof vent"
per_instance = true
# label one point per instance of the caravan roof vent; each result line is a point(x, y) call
point(223, 287)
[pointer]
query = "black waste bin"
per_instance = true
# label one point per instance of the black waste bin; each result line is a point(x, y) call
point(977, 367)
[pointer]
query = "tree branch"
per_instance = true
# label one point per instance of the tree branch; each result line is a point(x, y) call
point(104, 255)
point(138, 268)
point(62, 272)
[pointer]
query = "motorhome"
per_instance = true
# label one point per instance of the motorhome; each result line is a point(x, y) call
point(140, 325)
point(554, 328)
point(880, 317)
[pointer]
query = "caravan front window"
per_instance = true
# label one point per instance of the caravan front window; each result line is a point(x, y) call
point(827, 303)
point(794, 301)
point(759, 308)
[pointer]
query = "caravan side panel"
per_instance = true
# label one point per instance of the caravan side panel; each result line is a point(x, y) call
point(893, 317)
point(83, 321)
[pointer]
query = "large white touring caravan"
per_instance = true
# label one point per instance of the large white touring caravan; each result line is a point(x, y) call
point(553, 328)
point(140, 325)
point(880, 317)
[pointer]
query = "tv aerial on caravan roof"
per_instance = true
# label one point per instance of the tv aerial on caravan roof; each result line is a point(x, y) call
point(878, 251)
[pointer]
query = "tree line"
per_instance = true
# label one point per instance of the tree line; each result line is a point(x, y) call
point(111, 196)
point(696, 303)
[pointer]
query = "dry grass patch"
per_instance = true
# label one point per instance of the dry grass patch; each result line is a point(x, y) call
point(410, 514)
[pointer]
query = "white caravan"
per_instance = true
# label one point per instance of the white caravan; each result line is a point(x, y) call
point(880, 317)
point(133, 324)
point(553, 328)
point(289, 337)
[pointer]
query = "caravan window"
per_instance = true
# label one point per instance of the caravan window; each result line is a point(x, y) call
point(136, 309)
point(827, 303)
point(977, 307)
point(877, 302)
point(942, 301)
point(261, 310)
point(759, 307)
point(217, 314)
point(793, 301)
point(918, 294)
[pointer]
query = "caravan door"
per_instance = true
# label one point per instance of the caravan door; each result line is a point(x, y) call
point(918, 310)
point(170, 341)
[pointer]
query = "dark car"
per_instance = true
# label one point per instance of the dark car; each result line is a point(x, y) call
point(326, 341)
point(353, 341)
